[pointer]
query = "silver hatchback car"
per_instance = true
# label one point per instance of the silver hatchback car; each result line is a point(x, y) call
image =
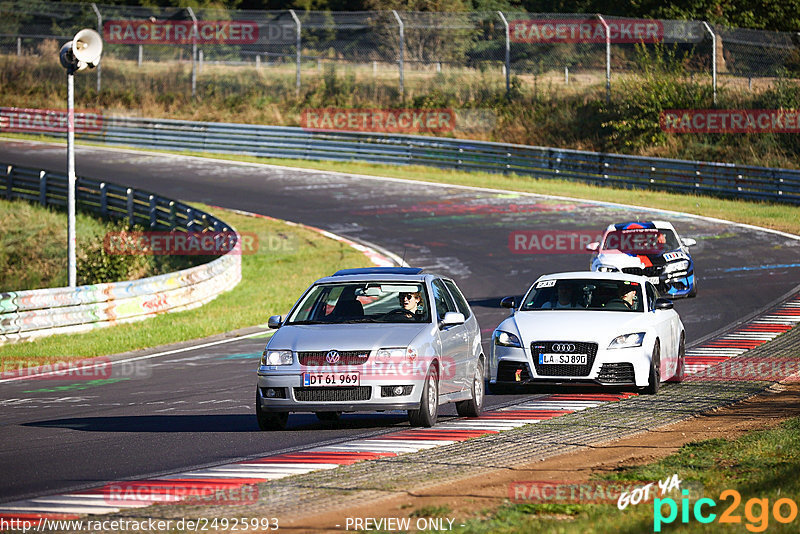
point(380, 338)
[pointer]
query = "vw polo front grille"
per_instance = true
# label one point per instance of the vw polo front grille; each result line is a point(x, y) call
point(333, 394)
point(327, 358)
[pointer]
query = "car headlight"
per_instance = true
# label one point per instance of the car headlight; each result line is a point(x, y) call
point(396, 354)
point(627, 340)
point(277, 357)
point(676, 266)
point(607, 269)
point(506, 339)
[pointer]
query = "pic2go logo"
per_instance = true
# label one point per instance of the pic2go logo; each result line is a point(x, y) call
point(783, 510)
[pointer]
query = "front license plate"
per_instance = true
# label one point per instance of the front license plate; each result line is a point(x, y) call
point(331, 379)
point(562, 359)
point(654, 280)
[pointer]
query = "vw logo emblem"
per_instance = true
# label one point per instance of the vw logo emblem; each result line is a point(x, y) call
point(563, 347)
point(332, 357)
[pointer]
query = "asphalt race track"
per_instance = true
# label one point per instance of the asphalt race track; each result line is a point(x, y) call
point(195, 408)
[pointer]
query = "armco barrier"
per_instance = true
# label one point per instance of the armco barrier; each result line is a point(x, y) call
point(41, 312)
point(719, 179)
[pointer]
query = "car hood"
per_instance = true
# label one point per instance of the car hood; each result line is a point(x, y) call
point(346, 336)
point(624, 259)
point(578, 325)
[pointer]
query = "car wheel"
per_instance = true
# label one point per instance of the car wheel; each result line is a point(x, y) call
point(270, 420)
point(429, 403)
point(680, 371)
point(654, 380)
point(693, 292)
point(328, 416)
point(473, 406)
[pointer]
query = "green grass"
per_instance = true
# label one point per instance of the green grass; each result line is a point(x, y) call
point(33, 244)
point(758, 465)
point(289, 258)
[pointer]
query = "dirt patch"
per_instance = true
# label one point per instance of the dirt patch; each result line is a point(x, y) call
point(479, 496)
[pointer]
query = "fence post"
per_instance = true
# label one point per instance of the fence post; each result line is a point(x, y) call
point(104, 200)
point(153, 211)
point(19, 46)
point(129, 205)
point(402, 52)
point(713, 59)
point(508, 53)
point(194, 51)
point(43, 188)
point(608, 57)
point(100, 31)
point(140, 56)
point(298, 46)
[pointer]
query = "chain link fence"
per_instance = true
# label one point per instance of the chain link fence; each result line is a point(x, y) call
point(405, 50)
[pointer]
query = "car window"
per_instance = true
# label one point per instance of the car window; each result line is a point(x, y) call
point(442, 299)
point(350, 302)
point(652, 295)
point(584, 294)
point(461, 302)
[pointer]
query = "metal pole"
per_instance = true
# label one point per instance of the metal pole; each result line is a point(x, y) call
point(194, 51)
point(71, 181)
point(713, 59)
point(508, 53)
point(402, 52)
point(298, 46)
point(19, 46)
point(100, 31)
point(608, 57)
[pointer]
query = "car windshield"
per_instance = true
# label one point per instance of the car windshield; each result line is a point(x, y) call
point(363, 302)
point(641, 240)
point(582, 294)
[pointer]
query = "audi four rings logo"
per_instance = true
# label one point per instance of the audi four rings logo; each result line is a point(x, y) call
point(332, 356)
point(563, 347)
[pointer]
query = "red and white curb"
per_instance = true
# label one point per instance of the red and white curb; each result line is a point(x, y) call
point(209, 486)
point(745, 337)
point(205, 486)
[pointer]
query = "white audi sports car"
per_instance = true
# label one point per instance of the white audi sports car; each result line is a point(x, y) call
point(611, 329)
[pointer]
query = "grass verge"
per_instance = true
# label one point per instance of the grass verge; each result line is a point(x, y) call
point(289, 258)
point(760, 466)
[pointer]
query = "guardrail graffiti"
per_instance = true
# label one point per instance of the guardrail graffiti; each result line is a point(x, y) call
point(35, 313)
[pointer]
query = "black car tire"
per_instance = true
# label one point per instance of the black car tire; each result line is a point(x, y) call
point(680, 372)
point(428, 411)
point(473, 406)
point(654, 379)
point(270, 420)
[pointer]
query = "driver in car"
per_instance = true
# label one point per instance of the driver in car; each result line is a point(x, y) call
point(627, 294)
point(411, 305)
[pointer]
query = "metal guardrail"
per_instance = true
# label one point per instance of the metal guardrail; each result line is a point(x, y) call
point(718, 179)
point(41, 312)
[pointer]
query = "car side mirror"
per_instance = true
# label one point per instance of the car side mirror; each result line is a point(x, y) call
point(688, 241)
point(508, 302)
point(593, 247)
point(664, 304)
point(452, 319)
point(275, 321)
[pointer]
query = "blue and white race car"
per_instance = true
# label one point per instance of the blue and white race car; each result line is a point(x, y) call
point(652, 249)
